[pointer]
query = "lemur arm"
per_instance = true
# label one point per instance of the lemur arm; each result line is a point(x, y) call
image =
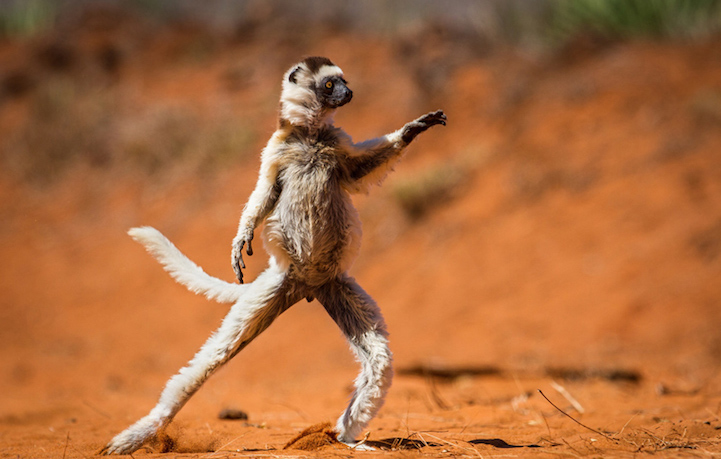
point(260, 203)
point(370, 161)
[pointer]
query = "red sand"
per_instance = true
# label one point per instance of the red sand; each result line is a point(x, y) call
point(583, 247)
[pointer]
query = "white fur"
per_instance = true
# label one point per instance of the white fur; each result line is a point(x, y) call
point(183, 270)
point(327, 71)
point(300, 106)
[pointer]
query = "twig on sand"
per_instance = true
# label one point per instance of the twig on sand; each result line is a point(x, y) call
point(455, 445)
point(365, 439)
point(575, 420)
point(418, 434)
point(577, 453)
point(67, 440)
point(222, 448)
point(626, 425)
point(567, 395)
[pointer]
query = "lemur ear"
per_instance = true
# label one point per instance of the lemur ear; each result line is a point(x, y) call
point(291, 77)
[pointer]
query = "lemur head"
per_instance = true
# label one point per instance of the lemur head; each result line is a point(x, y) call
point(312, 90)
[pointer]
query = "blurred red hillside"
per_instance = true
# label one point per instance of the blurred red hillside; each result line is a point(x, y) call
point(567, 220)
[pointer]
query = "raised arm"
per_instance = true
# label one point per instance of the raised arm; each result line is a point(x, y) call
point(372, 160)
point(260, 203)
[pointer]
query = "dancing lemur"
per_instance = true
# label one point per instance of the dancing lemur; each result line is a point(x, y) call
point(312, 232)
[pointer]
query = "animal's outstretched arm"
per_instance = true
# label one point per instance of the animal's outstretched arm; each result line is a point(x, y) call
point(372, 160)
point(261, 202)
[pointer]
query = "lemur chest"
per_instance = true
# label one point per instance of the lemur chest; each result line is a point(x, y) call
point(314, 223)
point(312, 203)
point(312, 178)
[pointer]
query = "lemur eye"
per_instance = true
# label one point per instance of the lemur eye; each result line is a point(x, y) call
point(329, 84)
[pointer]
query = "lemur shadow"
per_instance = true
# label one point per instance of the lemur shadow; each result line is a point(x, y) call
point(399, 443)
point(409, 444)
point(498, 443)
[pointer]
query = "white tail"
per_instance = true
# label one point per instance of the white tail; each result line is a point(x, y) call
point(183, 270)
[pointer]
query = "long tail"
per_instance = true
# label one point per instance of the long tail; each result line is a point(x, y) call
point(183, 270)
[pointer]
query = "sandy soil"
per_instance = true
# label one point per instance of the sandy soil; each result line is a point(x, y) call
point(578, 258)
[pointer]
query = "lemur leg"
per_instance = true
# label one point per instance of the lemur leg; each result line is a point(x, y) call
point(266, 298)
point(360, 320)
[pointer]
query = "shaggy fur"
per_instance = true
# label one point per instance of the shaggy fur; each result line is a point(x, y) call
point(312, 233)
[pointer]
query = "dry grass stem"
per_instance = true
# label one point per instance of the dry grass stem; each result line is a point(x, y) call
point(567, 395)
point(574, 419)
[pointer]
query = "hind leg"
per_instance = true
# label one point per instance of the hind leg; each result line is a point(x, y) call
point(266, 298)
point(360, 320)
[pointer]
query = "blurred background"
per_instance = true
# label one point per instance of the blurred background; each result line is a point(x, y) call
point(568, 218)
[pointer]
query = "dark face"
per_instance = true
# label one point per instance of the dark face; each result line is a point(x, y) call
point(333, 92)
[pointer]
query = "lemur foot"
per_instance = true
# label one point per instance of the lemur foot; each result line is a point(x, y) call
point(415, 127)
point(358, 446)
point(121, 446)
point(132, 438)
point(353, 444)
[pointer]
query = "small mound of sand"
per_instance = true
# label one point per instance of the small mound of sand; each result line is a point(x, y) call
point(163, 443)
point(177, 441)
point(314, 438)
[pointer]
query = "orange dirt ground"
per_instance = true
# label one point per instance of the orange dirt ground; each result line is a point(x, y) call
point(579, 254)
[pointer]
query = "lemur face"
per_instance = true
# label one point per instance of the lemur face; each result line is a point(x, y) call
point(324, 79)
point(312, 90)
point(333, 92)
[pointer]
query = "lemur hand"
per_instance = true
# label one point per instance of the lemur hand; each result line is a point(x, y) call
point(237, 254)
point(412, 129)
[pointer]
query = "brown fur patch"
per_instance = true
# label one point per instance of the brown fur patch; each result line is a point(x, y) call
point(314, 438)
point(314, 63)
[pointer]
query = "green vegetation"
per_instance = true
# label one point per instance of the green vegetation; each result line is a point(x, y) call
point(624, 19)
point(74, 117)
point(511, 21)
point(26, 18)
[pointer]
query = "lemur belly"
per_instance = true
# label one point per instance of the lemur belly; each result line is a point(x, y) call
point(314, 226)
